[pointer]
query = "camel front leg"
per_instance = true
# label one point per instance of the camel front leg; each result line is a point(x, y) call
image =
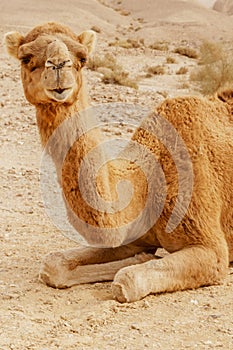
point(186, 269)
point(84, 264)
point(89, 273)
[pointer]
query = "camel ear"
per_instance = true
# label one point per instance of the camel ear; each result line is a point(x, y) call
point(225, 94)
point(12, 41)
point(88, 39)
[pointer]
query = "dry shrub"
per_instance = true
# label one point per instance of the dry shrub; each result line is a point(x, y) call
point(119, 78)
point(182, 70)
point(170, 59)
point(186, 51)
point(107, 61)
point(156, 70)
point(163, 93)
point(216, 68)
point(124, 12)
point(184, 85)
point(141, 20)
point(112, 72)
point(158, 45)
point(127, 44)
point(210, 52)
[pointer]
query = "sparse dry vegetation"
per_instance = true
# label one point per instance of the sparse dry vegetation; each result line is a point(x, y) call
point(156, 70)
point(158, 45)
point(170, 60)
point(210, 52)
point(184, 85)
point(182, 70)
point(127, 44)
point(163, 93)
point(186, 51)
point(112, 72)
point(107, 61)
point(119, 77)
point(215, 68)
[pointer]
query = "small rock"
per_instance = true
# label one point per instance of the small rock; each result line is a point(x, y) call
point(207, 342)
point(135, 326)
point(96, 29)
point(146, 304)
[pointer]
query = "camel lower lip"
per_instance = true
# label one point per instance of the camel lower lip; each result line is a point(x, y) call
point(59, 94)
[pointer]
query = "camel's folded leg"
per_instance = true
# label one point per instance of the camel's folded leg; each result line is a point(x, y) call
point(58, 265)
point(186, 269)
point(87, 255)
point(58, 275)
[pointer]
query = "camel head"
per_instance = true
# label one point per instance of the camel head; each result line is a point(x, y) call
point(52, 58)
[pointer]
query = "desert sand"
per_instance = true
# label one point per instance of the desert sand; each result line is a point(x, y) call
point(32, 315)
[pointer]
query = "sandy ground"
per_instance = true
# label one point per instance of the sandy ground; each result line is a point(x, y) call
point(36, 317)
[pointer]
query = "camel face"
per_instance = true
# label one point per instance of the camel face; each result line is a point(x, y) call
point(51, 69)
point(51, 62)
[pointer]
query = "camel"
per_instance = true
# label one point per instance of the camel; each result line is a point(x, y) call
point(201, 246)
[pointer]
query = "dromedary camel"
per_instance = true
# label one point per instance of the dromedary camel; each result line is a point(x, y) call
point(201, 246)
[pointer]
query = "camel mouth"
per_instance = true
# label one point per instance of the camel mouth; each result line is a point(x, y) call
point(60, 94)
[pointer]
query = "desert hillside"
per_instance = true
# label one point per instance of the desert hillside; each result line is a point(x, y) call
point(224, 6)
point(160, 19)
point(175, 19)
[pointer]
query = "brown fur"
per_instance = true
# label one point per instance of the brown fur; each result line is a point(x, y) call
point(202, 244)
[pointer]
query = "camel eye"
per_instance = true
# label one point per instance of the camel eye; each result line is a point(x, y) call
point(83, 60)
point(26, 59)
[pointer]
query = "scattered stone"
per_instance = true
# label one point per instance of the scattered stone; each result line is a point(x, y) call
point(96, 29)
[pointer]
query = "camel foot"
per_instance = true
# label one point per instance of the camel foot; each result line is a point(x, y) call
point(126, 286)
point(54, 270)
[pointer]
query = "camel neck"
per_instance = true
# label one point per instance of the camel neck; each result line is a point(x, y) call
point(50, 115)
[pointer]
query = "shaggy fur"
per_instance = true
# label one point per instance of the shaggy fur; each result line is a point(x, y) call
point(202, 244)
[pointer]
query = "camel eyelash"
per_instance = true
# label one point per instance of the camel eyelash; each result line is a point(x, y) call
point(26, 60)
point(83, 60)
